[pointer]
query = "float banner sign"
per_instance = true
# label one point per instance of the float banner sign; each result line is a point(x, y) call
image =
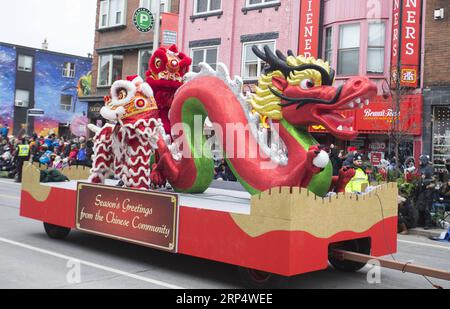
point(142, 217)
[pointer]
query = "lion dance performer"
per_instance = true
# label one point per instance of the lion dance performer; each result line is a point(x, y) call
point(167, 68)
point(125, 146)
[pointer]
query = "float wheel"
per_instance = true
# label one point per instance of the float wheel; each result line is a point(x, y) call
point(257, 279)
point(56, 232)
point(357, 245)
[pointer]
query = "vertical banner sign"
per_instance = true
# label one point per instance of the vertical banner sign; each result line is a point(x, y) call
point(309, 34)
point(409, 14)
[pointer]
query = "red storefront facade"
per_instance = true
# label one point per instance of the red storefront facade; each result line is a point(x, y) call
point(363, 38)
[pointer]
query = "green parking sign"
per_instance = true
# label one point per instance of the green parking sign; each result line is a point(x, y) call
point(143, 20)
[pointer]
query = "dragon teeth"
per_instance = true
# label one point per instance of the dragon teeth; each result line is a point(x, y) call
point(367, 102)
point(340, 128)
point(358, 101)
point(351, 105)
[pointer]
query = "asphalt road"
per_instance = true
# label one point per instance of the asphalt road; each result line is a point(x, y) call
point(29, 259)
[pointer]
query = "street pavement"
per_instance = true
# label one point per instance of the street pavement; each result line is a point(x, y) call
point(29, 259)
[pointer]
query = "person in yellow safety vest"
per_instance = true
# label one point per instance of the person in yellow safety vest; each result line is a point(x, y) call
point(360, 181)
point(22, 155)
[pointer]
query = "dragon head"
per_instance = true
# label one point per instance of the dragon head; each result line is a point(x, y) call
point(128, 98)
point(300, 90)
point(167, 68)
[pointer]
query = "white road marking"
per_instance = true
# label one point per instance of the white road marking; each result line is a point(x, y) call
point(423, 244)
point(90, 264)
point(10, 197)
point(11, 183)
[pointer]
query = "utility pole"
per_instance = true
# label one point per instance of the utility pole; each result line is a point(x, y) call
point(157, 27)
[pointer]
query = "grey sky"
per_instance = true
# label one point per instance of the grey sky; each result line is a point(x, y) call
point(68, 25)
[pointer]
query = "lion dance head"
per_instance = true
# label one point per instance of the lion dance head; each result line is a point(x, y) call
point(130, 99)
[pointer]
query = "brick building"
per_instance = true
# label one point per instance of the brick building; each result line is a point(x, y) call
point(120, 48)
point(437, 82)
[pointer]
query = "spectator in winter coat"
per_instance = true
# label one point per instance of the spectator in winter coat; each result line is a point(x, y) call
point(81, 155)
point(73, 154)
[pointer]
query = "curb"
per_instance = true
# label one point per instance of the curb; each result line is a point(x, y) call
point(426, 233)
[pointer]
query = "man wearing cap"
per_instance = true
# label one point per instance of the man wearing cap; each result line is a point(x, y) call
point(360, 181)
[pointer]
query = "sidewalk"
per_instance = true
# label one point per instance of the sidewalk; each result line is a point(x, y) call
point(419, 231)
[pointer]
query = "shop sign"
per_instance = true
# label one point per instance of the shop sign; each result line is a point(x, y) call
point(375, 158)
point(377, 146)
point(381, 115)
point(143, 20)
point(142, 217)
point(310, 33)
point(94, 110)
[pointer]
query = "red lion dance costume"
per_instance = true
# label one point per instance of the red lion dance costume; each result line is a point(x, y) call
point(125, 146)
point(167, 68)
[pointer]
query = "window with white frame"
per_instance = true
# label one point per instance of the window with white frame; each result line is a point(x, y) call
point(329, 45)
point(112, 13)
point(207, 6)
point(144, 59)
point(145, 4)
point(252, 66)
point(66, 103)
point(69, 70)
point(349, 45)
point(376, 47)
point(25, 63)
point(204, 54)
point(250, 3)
point(148, 4)
point(22, 98)
point(109, 69)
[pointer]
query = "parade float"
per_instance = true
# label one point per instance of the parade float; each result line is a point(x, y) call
point(285, 221)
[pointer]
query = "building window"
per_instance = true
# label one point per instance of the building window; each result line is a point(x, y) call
point(69, 69)
point(145, 4)
point(144, 59)
point(25, 63)
point(441, 137)
point(252, 66)
point(22, 98)
point(165, 5)
point(250, 3)
point(66, 103)
point(109, 69)
point(348, 56)
point(206, 6)
point(112, 13)
point(329, 45)
point(375, 50)
point(208, 55)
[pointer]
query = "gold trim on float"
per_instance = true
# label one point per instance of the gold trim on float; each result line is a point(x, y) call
point(31, 179)
point(295, 209)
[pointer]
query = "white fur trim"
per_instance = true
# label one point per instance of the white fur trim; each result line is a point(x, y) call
point(138, 80)
point(131, 92)
point(94, 128)
point(108, 113)
point(146, 90)
point(321, 160)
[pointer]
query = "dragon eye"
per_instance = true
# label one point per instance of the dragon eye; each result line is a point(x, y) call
point(158, 63)
point(307, 84)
